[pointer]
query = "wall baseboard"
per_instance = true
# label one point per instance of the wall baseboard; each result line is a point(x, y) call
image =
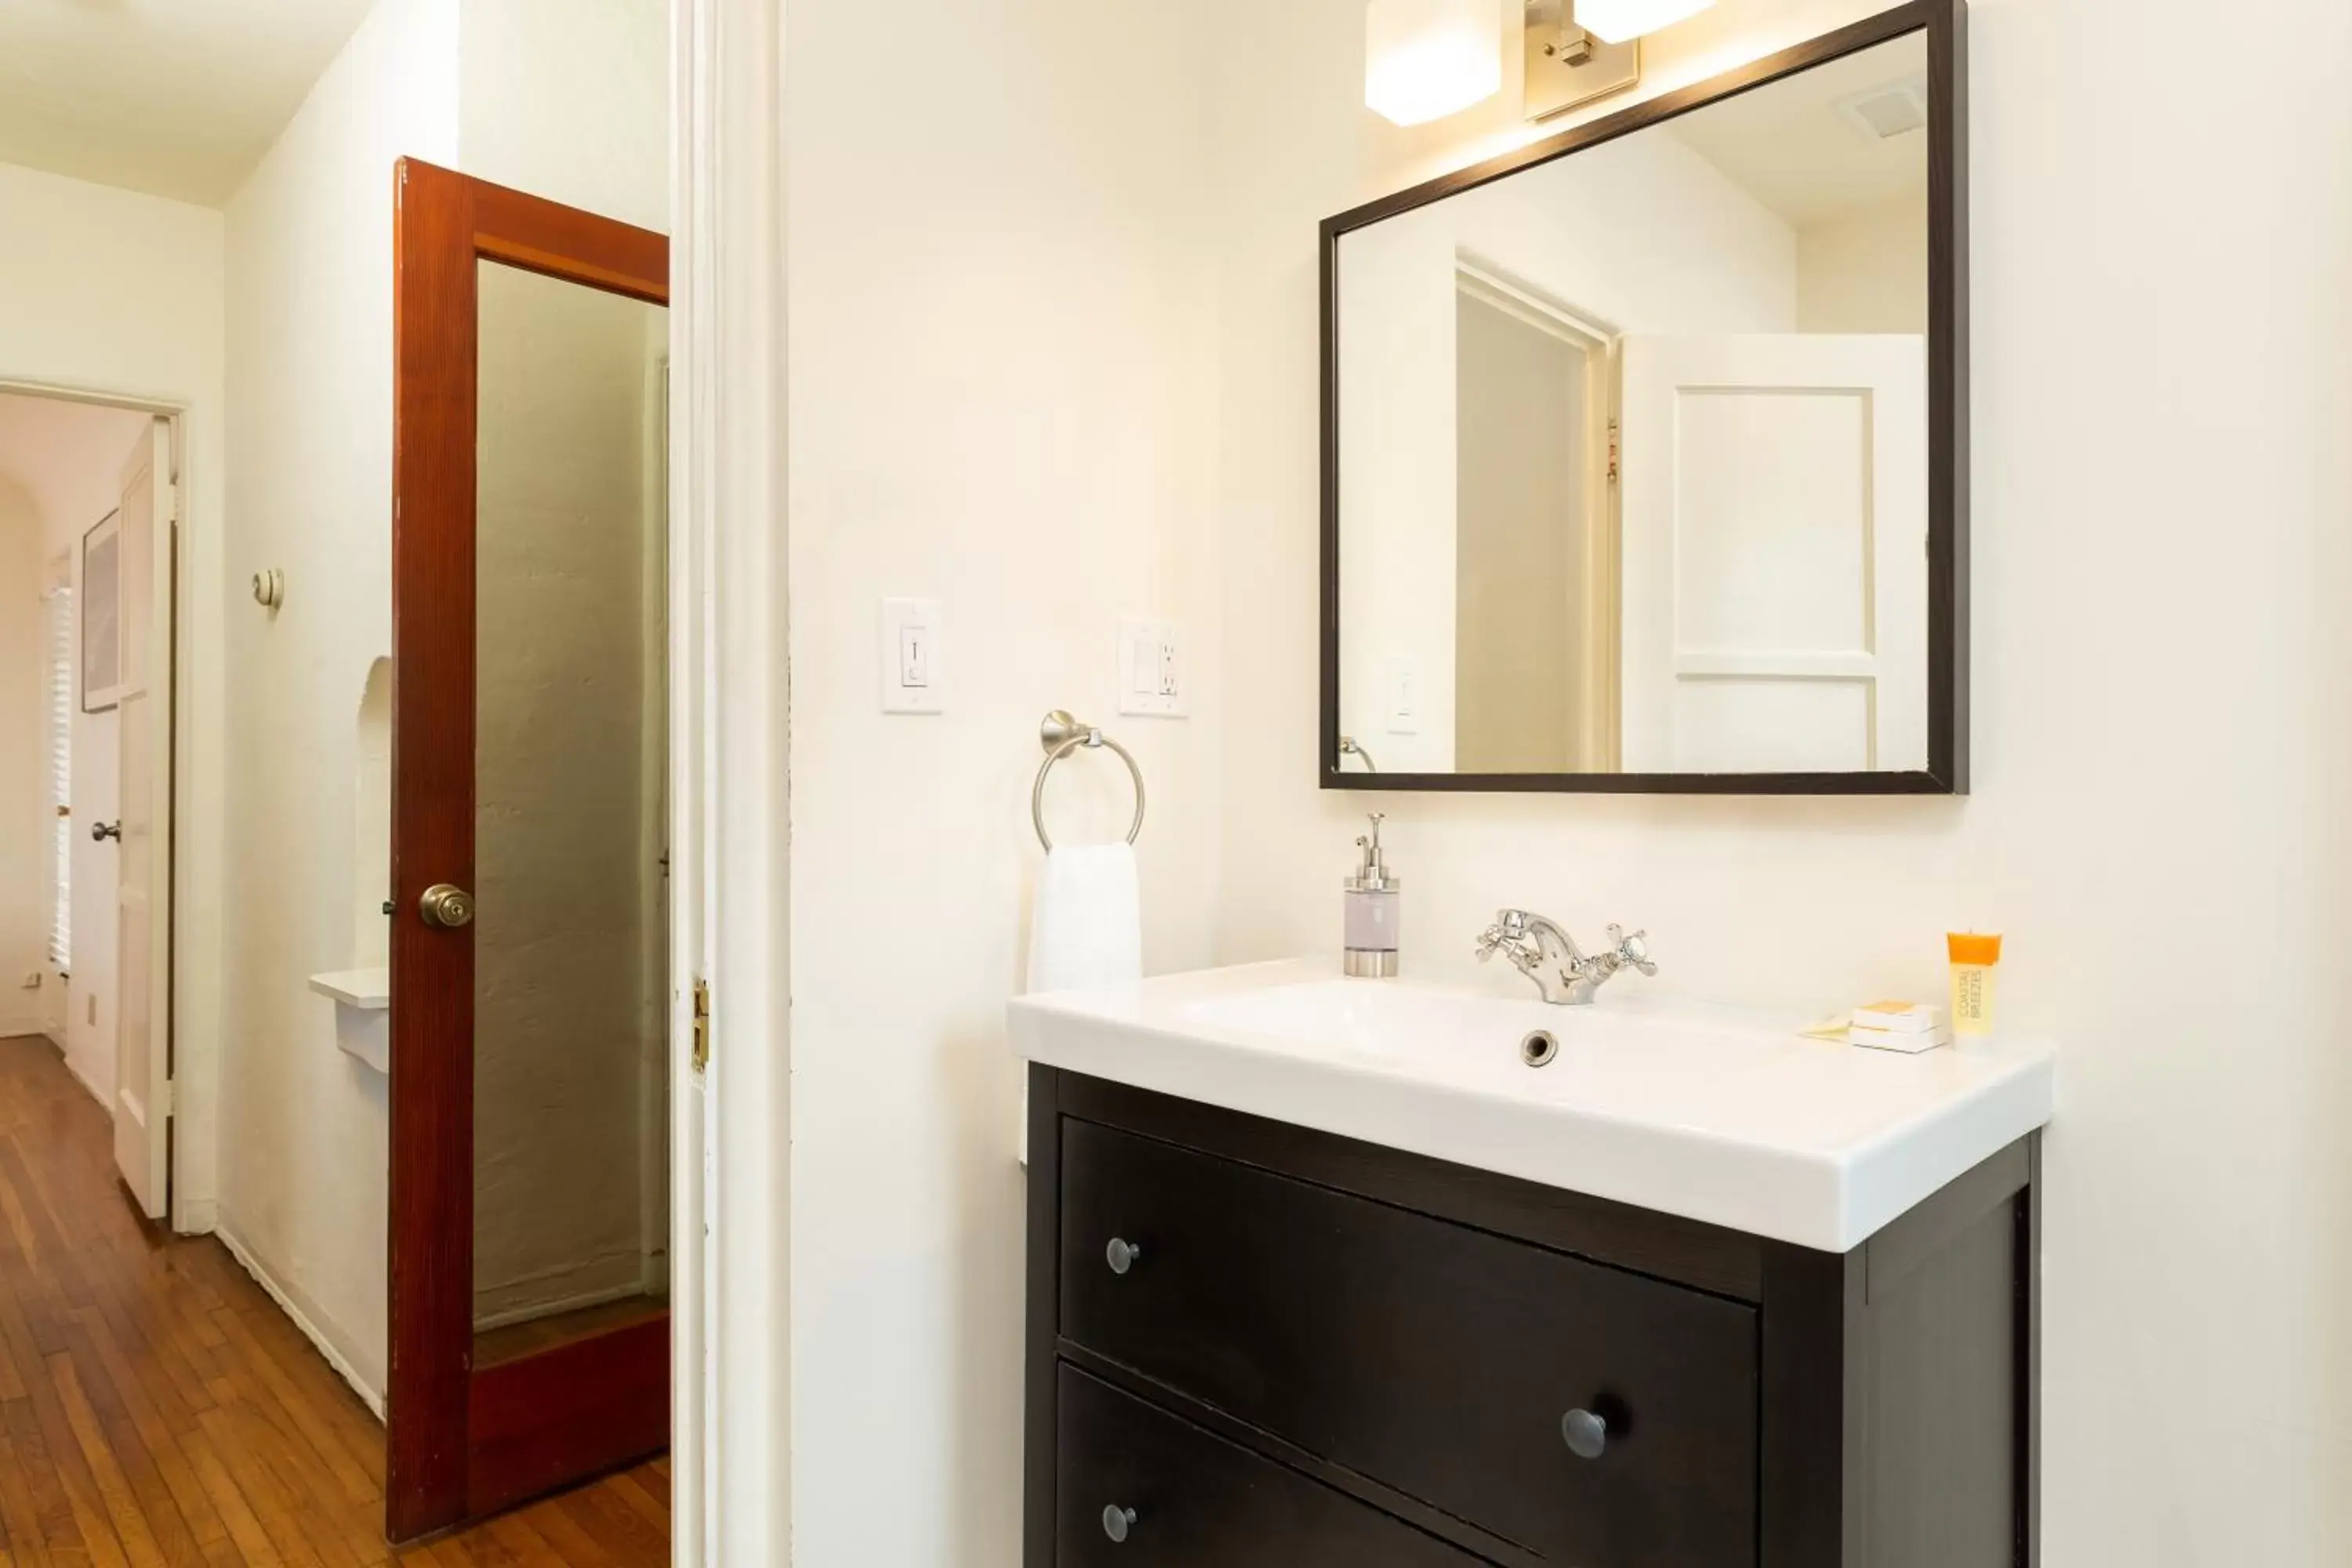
point(304, 1314)
point(83, 1078)
point(531, 1312)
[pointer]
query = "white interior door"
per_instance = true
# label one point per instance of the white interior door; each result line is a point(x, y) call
point(142, 1094)
point(1774, 543)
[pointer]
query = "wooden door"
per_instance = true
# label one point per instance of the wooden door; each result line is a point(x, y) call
point(1775, 553)
point(142, 976)
point(530, 1325)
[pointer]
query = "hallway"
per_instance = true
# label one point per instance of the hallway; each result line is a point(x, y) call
point(157, 1407)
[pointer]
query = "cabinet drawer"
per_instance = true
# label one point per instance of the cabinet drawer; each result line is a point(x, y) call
point(1436, 1359)
point(1201, 1502)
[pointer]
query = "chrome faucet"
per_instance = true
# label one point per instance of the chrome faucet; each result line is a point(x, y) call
point(1539, 949)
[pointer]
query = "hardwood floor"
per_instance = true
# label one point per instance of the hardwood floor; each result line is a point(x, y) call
point(157, 1407)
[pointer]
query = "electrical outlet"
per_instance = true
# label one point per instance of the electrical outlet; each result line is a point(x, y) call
point(1153, 680)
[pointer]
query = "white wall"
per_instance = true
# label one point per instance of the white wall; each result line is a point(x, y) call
point(24, 764)
point(1642, 234)
point(1866, 270)
point(569, 100)
point(107, 291)
point(1001, 359)
point(304, 1143)
point(2161, 742)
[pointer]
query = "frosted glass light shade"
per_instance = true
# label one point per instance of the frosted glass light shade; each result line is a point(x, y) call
point(1614, 21)
point(1425, 59)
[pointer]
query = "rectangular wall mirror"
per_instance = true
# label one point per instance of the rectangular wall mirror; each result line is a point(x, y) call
point(1645, 447)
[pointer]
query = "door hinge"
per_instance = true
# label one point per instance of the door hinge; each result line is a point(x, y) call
point(167, 1097)
point(701, 1024)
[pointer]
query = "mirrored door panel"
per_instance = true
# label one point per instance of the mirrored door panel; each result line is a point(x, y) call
point(571, 938)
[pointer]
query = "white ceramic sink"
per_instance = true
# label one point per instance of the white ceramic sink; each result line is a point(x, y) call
point(1712, 1113)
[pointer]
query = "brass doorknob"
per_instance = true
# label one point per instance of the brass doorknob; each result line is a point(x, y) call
point(446, 906)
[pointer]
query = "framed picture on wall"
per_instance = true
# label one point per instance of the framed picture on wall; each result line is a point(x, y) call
point(101, 616)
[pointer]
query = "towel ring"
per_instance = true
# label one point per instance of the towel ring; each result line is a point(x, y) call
point(1060, 735)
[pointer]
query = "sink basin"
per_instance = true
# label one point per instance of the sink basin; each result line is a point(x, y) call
point(1716, 1114)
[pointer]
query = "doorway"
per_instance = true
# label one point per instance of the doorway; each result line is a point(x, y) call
point(90, 504)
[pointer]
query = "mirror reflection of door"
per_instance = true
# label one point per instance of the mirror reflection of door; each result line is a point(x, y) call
point(531, 986)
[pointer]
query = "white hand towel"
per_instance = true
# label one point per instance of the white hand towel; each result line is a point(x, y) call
point(1088, 927)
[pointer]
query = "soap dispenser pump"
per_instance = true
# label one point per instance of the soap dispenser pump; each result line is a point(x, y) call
point(1374, 910)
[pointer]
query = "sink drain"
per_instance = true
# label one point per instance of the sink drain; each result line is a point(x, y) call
point(1538, 1048)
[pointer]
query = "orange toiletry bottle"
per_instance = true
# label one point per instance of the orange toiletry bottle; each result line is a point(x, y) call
point(1975, 959)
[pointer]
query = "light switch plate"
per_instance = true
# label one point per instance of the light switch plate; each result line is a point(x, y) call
point(913, 658)
point(1154, 676)
point(1403, 694)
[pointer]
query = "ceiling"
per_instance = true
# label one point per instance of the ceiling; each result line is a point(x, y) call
point(1790, 145)
point(176, 97)
point(67, 457)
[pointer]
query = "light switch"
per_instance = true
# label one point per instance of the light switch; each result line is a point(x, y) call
point(912, 657)
point(1151, 679)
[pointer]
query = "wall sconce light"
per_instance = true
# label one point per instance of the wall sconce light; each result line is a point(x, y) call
point(1563, 64)
point(1425, 59)
point(1616, 21)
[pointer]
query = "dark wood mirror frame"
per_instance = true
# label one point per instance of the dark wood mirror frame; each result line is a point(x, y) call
point(1944, 22)
point(465, 1440)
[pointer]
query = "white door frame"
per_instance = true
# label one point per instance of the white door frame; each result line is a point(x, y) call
point(1600, 615)
point(731, 1163)
point(192, 1041)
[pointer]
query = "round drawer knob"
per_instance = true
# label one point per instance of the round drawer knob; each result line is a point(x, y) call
point(1587, 1433)
point(1121, 1255)
point(1117, 1521)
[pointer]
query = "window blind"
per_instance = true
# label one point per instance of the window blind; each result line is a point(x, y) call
point(61, 706)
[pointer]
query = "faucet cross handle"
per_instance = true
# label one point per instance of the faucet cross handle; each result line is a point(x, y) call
point(1508, 934)
point(1633, 951)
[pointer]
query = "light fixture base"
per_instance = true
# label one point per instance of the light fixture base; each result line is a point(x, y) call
point(1566, 66)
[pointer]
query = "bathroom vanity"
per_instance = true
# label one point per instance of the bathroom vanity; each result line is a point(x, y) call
point(1323, 1275)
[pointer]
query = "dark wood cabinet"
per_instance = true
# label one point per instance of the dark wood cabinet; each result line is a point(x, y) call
point(1278, 1346)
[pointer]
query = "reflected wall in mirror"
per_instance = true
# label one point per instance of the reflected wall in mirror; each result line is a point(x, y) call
point(1641, 446)
point(571, 941)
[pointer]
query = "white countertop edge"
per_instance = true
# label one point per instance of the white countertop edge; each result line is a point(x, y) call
point(1898, 1170)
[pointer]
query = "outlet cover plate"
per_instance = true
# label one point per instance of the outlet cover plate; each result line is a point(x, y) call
point(1154, 675)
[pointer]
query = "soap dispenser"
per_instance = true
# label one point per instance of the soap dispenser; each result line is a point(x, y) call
point(1374, 910)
